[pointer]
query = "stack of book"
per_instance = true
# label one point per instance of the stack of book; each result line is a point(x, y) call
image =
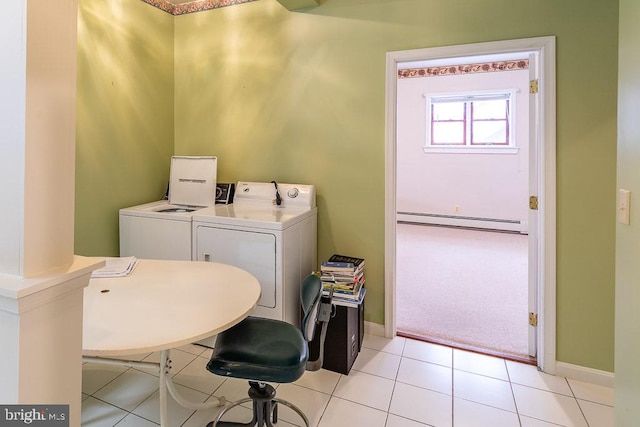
point(345, 274)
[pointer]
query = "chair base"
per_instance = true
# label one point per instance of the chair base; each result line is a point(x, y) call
point(265, 408)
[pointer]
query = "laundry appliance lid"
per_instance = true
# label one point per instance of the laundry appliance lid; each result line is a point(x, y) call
point(160, 210)
point(193, 180)
point(253, 217)
point(254, 206)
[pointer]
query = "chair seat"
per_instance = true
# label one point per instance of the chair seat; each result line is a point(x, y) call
point(262, 350)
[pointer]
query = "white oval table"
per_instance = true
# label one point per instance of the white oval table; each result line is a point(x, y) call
point(163, 305)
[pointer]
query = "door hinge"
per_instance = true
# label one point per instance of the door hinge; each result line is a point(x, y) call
point(533, 319)
point(533, 86)
point(533, 203)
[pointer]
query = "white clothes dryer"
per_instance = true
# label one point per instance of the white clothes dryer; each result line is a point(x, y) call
point(270, 230)
point(162, 229)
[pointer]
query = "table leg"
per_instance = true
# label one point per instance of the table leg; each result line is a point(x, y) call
point(166, 383)
point(165, 372)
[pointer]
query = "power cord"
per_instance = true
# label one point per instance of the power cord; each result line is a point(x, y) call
point(278, 200)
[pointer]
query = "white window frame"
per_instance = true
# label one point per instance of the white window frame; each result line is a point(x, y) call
point(510, 94)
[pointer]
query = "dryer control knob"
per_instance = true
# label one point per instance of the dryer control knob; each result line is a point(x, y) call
point(293, 193)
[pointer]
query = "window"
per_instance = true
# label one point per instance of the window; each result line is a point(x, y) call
point(471, 122)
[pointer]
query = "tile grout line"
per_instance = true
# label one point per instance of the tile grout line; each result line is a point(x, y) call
point(513, 393)
point(395, 380)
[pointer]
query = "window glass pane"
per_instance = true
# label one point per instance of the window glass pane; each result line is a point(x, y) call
point(495, 109)
point(448, 111)
point(493, 132)
point(448, 133)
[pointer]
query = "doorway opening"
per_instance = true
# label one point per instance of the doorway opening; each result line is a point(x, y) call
point(463, 146)
point(528, 218)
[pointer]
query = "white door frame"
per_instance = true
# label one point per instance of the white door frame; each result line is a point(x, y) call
point(545, 153)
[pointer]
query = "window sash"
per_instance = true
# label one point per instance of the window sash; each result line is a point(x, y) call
point(439, 126)
point(504, 130)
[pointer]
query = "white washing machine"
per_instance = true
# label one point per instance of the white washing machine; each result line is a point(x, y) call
point(275, 243)
point(162, 229)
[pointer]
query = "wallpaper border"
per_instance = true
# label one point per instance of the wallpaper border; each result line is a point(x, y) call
point(194, 6)
point(456, 70)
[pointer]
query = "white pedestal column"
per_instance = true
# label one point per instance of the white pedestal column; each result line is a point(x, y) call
point(41, 338)
point(41, 281)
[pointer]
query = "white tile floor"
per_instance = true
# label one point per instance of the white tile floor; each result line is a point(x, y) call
point(394, 383)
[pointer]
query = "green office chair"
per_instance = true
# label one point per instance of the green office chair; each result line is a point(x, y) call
point(265, 350)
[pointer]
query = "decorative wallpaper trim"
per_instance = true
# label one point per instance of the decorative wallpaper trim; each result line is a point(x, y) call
point(454, 70)
point(194, 6)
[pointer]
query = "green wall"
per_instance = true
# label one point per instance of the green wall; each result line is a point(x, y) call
point(627, 349)
point(300, 97)
point(124, 137)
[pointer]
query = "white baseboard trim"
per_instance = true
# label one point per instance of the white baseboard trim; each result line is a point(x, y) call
point(374, 329)
point(567, 370)
point(587, 375)
point(460, 221)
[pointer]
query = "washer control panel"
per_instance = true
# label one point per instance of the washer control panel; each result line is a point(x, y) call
point(292, 195)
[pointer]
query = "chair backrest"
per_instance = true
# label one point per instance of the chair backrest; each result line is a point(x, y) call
point(310, 293)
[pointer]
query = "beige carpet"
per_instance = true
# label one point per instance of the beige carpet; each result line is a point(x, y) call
point(464, 287)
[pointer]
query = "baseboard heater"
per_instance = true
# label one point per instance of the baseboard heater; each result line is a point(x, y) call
point(464, 221)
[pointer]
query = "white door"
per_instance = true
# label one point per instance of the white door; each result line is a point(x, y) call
point(534, 164)
point(251, 251)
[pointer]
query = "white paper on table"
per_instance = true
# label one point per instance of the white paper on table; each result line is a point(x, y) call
point(116, 267)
